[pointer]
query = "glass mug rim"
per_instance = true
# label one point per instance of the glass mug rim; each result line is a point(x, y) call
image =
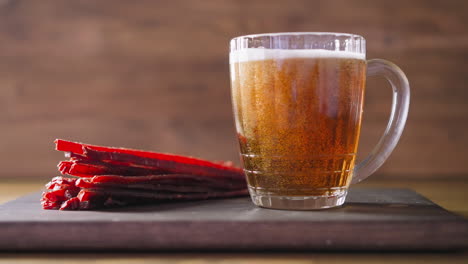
point(300, 41)
point(350, 35)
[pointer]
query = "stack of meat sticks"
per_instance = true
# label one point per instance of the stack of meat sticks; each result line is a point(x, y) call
point(110, 177)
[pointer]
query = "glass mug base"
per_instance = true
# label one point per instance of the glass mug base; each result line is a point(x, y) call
point(268, 200)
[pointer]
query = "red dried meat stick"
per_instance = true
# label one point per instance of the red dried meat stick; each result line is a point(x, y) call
point(59, 195)
point(89, 183)
point(82, 168)
point(116, 169)
point(173, 163)
point(90, 199)
point(71, 204)
point(60, 189)
point(100, 198)
point(149, 195)
point(168, 165)
point(171, 179)
point(60, 182)
point(68, 168)
point(46, 204)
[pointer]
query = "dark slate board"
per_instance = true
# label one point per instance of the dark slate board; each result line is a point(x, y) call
point(371, 219)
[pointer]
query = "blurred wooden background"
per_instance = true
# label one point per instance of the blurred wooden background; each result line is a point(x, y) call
point(154, 75)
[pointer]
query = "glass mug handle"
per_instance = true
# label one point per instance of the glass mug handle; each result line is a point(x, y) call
point(396, 123)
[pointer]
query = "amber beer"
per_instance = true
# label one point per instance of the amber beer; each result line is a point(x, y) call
point(298, 115)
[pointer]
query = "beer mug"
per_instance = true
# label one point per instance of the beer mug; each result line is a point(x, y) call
point(298, 101)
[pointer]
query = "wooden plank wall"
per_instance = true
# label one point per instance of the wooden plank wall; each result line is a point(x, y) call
point(154, 75)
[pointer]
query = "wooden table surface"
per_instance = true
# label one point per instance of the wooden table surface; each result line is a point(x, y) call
point(451, 194)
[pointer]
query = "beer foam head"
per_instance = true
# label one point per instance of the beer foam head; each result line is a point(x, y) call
point(258, 54)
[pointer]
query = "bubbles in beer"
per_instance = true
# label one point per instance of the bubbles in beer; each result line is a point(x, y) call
point(298, 117)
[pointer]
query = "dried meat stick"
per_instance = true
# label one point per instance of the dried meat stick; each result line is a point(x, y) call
point(59, 190)
point(88, 183)
point(149, 195)
point(82, 168)
point(105, 197)
point(220, 172)
point(171, 179)
point(178, 164)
